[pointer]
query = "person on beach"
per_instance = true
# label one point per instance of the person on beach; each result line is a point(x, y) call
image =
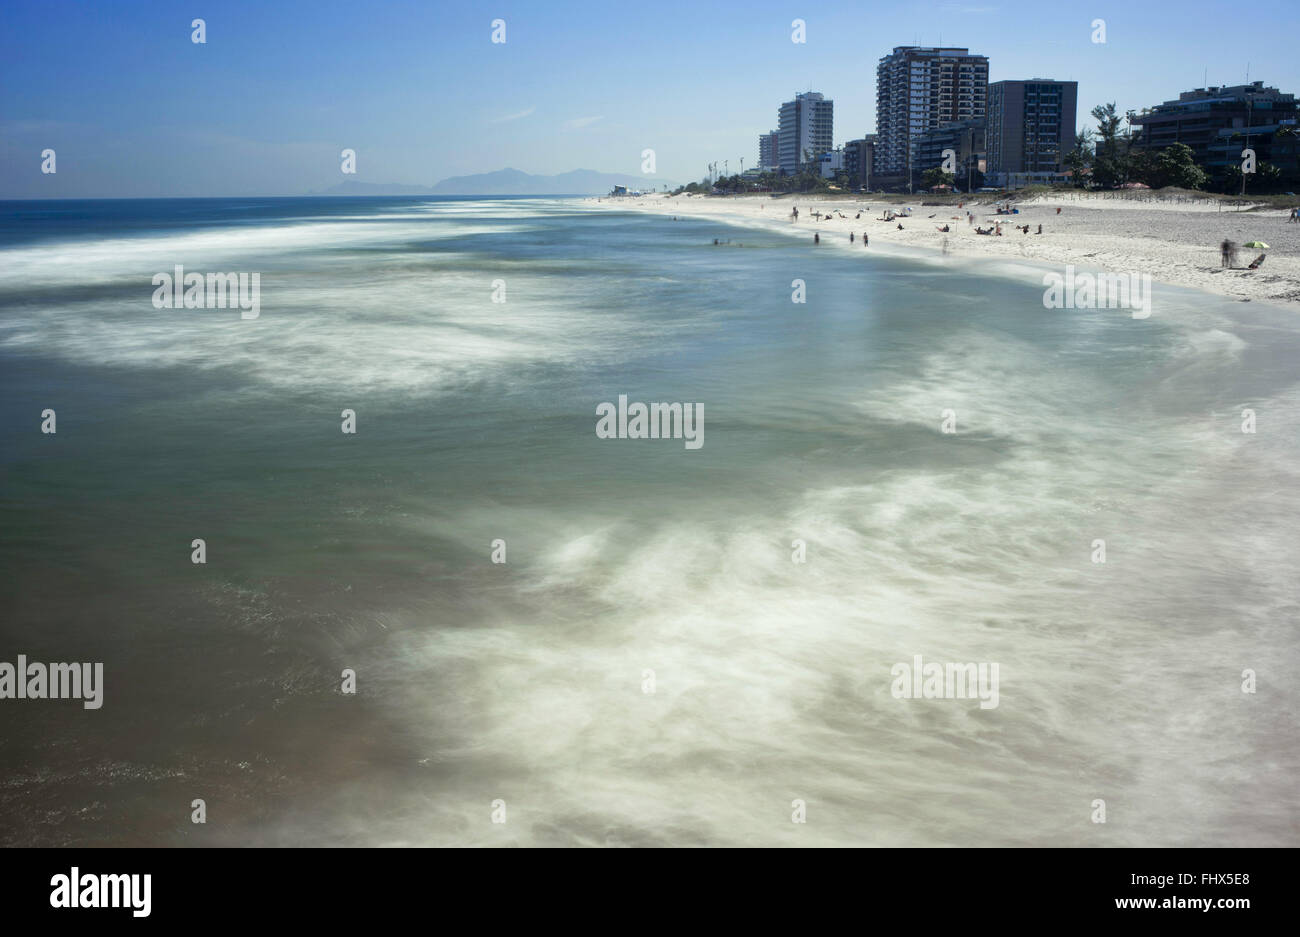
point(817, 238)
point(1058, 209)
point(1227, 253)
point(900, 227)
point(850, 237)
point(1040, 230)
point(865, 239)
point(943, 230)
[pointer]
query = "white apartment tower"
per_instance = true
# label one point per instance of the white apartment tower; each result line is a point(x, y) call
point(805, 130)
point(920, 88)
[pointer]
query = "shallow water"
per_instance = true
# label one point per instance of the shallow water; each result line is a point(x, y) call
point(523, 681)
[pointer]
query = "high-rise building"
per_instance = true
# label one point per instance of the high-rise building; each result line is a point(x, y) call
point(769, 150)
point(1219, 122)
point(1030, 127)
point(805, 130)
point(921, 88)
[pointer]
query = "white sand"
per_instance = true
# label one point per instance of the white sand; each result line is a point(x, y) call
point(1176, 241)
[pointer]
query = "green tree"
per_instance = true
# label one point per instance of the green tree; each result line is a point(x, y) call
point(1079, 159)
point(1265, 178)
point(1175, 165)
point(1110, 164)
point(1270, 177)
point(1232, 179)
point(936, 176)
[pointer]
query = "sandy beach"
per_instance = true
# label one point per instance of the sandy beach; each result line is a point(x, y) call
point(1176, 241)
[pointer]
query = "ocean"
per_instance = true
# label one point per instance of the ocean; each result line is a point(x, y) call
point(559, 639)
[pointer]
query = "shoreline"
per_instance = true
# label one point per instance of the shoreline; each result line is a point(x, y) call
point(1175, 242)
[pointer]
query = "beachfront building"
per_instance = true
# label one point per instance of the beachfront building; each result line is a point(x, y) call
point(804, 131)
point(1030, 129)
point(966, 140)
point(920, 88)
point(858, 158)
point(1218, 123)
point(769, 150)
point(832, 163)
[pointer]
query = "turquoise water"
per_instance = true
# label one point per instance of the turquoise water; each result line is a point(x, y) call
point(523, 681)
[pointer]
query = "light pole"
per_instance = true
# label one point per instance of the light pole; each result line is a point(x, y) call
point(909, 158)
point(1250, 106)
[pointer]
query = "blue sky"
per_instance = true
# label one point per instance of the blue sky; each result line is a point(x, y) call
point(133, 108)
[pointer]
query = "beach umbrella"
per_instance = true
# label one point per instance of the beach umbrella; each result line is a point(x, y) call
point(1257, 244)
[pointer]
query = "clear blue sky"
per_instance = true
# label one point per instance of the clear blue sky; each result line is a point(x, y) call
point(133, 108)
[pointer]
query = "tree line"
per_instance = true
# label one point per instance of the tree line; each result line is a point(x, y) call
point(1107, 158)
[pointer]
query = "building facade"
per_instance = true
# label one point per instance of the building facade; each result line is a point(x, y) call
point(769, 150)
point(805, 131)
point(1030, 128)
point(966, 140)
point(858, 158)
point(832, 163)
point(921, 88)
point(1217, 123)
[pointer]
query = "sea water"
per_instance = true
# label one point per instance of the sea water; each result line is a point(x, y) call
point(625, 641)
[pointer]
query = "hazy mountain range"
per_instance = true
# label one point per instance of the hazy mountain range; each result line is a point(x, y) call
point(508, 182)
